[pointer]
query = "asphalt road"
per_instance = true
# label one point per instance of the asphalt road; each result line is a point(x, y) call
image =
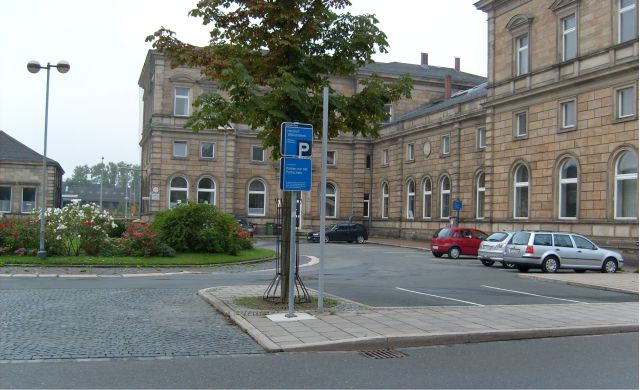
point(571, 362)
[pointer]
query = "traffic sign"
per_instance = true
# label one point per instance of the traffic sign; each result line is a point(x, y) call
point(296, 139)
point(457, 205)
point(295, 174)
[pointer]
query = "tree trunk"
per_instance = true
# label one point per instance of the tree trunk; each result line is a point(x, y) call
point(285, 248)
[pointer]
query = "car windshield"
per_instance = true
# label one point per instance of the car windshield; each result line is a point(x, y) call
point(332, 227)
point(444, 233)
point(497, 237)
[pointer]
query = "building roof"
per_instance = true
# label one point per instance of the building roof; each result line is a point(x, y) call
point(457, 98)
point(91, 193)
point(423, 71)
point(13, 150)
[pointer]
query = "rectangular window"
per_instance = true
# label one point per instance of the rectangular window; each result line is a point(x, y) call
point(207, 150)
point(5, 199)
point(521, 124)
point(627, 20)
point(331, 157)
point(625, 102)
point(257, 154)
point(482, 138)
point(522, 55)
point(388, 109)
point(28, 199)
point(445, 145)
point(569, 38)
point(368, 162)
point(385, 157)
point(179, 148)
point(410, 152)
point(365, 206)
point(181, 102)
point(568, 114)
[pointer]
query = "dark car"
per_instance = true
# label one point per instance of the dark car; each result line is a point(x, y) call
point(457, 241)
point(247, 226)
point(349, 232)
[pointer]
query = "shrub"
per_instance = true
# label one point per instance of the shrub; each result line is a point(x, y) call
point(16, 234)
point(117, 229)
point(140, 240)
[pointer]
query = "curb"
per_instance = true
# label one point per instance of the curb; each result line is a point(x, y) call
point(578, 284)
point(258, 336)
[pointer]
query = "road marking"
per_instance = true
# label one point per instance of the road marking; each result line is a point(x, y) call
point(535, 295)
point(314, 261)
point(438, 296)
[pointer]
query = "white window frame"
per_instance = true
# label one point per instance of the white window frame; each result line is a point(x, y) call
point(181, 100)
point(262, 193)
point(385, 157)
point(253, 149)
point(563, 183)
point(481, 138)
point(565, 106)
point(522, 51)
point(445, 193)
point(480, 194)
point(331, 161)
point(411, 199)
point(213, 150)
point(186, 149)
point(519, 185)
point(333, 195)
point(426, 205)
point(385, 201)
point(411, 155)
point(23, 202)
point(621, 177)
point(10, 201)
point(178, 189)
point(366, 210)
point(622, 10)
point(519, 130)
point(210, 191)
point(446, 145)
point(570, 33)
point(620, 102)
point(388, 108)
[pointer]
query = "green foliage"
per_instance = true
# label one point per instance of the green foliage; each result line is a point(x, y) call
point(111, 174)
point(18, 236)
point(118, 228)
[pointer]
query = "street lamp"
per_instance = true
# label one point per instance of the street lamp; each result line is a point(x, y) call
point(34, 67)
point(101, 180)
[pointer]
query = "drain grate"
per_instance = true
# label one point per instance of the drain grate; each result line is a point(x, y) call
point(383, 354)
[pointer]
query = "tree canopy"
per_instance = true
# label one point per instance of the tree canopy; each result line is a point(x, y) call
point(272, 58)
point(111, 174)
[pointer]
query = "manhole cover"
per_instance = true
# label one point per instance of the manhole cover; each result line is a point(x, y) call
point(383, 354)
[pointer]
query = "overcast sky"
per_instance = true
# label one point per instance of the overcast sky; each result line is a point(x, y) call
point(94, 110)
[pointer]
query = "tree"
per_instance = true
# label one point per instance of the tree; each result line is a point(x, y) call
point(272, 59)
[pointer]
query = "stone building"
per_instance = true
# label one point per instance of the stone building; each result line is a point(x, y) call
point(21, 178)
point(548, 141)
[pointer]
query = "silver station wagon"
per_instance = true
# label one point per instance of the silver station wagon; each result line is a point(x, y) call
point(551, 251)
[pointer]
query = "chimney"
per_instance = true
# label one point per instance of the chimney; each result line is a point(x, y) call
point(457, 64)
point(447, 87)
point(424, 59)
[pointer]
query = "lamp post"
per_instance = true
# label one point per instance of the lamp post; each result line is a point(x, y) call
point(34, 67)
point(101, 180)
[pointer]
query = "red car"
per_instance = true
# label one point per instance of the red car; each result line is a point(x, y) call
point(457, 241)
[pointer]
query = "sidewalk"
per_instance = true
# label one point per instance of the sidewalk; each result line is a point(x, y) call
point(358, 327)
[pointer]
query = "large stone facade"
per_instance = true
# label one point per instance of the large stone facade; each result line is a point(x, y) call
point(543, 143)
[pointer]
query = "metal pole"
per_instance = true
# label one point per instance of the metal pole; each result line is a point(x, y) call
point(101, 179)
point(292, 252)
point(42, 253)
point(323, 190)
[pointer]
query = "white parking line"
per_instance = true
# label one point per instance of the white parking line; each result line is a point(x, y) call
point(438, 296)
point(534, 295)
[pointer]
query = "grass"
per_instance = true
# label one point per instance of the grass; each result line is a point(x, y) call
point(258, 303)
point(181, 259)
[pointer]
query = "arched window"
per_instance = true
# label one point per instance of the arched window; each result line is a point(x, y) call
point(521, 192)
point(385, 200)
point(568, 189)
point(411, 199)
point(257, 197)
point(426, 198)
point(178, 189)
point(480, 189)
point(207, 191)
point(331, 198)
point(445, 197)
point(626, 186)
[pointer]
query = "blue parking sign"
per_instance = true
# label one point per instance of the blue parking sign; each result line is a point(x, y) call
point(295, 174)
point(296, 139)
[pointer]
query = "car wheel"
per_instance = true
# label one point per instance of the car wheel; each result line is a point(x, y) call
point(326, 238)
point(436, 254)
point(508, 265)
point(360, 239)
point(487, 263)
point(454, 252)
point(579, 271)
point(522, 268)
point(610, 266)
point(550, 264)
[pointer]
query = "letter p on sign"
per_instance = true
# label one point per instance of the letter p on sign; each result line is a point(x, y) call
point(304, 149)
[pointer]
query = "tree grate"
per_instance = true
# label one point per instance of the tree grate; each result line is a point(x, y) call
point(383, 354)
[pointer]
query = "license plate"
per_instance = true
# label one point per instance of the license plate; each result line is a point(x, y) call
point(434, 247)
point(514, 250)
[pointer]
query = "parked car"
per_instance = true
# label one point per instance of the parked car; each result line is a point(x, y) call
point(456, 241)
point(347, 231)
point(551, 251)
point(247, 226)
point(492, 249)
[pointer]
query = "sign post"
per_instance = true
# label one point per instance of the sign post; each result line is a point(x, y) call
point(296, 145)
